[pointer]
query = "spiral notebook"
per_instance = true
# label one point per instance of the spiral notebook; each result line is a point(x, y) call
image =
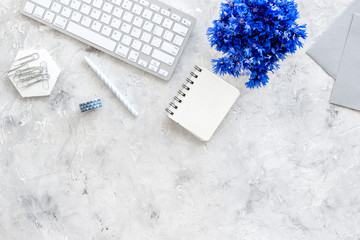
point(202, 103)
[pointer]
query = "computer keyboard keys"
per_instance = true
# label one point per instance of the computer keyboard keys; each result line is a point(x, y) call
point(49, 17)
point(66, 12)
point(167, 23)
point(108, 7)
point(169, 48)
point(39, 12)
point(180, 29)
point(105, 18)
point(106, 31)
point(158, 31)
point(168, 36)
point(96, 26)
point(136, 45)
point(76, 16)
point(133, 56)
point(43, 3)
point(163, 73)
point(144, 2)
point(56, 7)
point(147, 14)
point(115, 23)
point(60, 22)
point(126, 28)
point(138, 21)
point(148, 26)
point(75, 4)
point(116, 35)
point(178, 40)
point(128, 17)
point(118, 12)
point(157, 19)
point(86, 21)
point(91, 36)
point(154, 7)
point(126, 40)
point(186, 22)
point(97, 3)
point(156, 42)
point(146, 49)
point(127, 4)
point(122, 50)
point(85, 9)
point(137, 9)
point(163, 57)
point(165, 12)
point(29, 7)
point(175, 17)
point(146, 37)
point(142, 63)
point(65, 2)
point(95, 13)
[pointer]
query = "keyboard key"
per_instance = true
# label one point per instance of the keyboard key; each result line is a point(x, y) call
point(96, 26)
point(154, 7)
point(137, 9)
point(146, 49)
point(157, 19)
point(133, 56)
point(144, 2)
point(105, 18)
point(115, 23)
point(126, 40)
point(85, 9)
point(29, 7)
point(127, 4)
point(39, 12)
point(66, 12)
point(169, 48)
point(43, 3)
point(126, 28)
point(122, 50)
point(95, 13)
point(146, 37)
point(138, 21)
point(136, 32)
point(136, 45)
point(56, 7)
point(180, 29)
point(175, 17)
point(168, 36)
point(153, 68)
point(98, 3)
point(116, 35)
point(163, 73)
point(49, 17)
point(65, 2)
point(158, 31)
point(148, 26)
point(60, 22)
point(75, 4)
point(108, 7)
point(156, 42)
point(128, 17)
point(165, 12)
point(143, 63)
point(186, 22)
point(178, 40)
point(163, 57)
point(76, 16)
point(147, 14)
point(87, 1)
point(86, 21)
point(106, 31)
point(155, 63)
point(118, 12)
point(91, 36)
point(167, 23)
point(116, 2)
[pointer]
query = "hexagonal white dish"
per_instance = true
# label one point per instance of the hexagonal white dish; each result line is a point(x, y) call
point(37, 89)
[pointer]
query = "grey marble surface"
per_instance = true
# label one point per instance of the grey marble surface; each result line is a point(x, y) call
point(283, 165)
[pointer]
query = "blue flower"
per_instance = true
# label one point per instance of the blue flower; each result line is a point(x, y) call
point(254, 35)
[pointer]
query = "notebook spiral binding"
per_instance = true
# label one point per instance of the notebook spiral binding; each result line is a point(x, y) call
point(182, 92)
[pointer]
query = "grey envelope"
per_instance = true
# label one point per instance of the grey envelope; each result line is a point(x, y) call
point(346, 91)
point(327, 51)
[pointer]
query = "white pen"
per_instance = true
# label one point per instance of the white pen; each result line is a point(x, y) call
point(103, 77)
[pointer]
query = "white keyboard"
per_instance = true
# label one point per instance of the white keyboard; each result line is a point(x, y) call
point(147, 34)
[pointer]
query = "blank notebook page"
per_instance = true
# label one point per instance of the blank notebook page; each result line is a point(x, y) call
point(205, 104)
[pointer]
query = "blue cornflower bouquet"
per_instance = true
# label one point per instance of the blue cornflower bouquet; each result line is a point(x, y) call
point(254, 35)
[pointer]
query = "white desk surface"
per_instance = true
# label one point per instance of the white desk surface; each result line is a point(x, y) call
point(285, 164)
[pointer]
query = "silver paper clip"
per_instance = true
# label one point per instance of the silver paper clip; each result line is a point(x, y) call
point(22, 62)
point(32, 80)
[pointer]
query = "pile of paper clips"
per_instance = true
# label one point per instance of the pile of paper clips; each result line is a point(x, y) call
point(25, 76)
